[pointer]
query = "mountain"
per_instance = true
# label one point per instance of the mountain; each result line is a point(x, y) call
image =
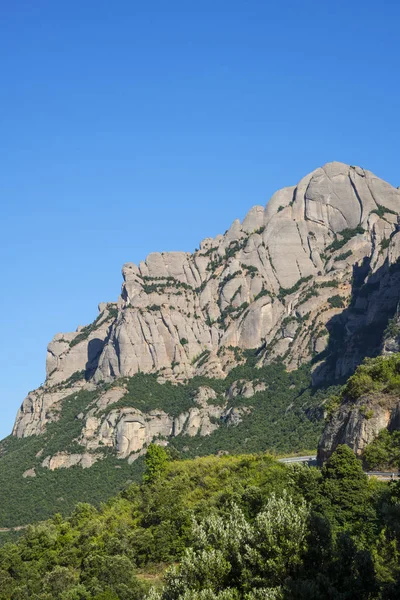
point(230, 348)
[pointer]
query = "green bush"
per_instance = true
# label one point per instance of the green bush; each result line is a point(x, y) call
point(384, 451)
point(346, 235)
point(344, 255)
point(385, 243)
point(287, 291)
point(393, 328)
point(382, 210)
point(333, 283)
point(336, 301)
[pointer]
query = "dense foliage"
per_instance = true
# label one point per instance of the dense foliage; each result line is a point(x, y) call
point(345, 236)
point(380, 374)
point(219, 528)
point(384, 451)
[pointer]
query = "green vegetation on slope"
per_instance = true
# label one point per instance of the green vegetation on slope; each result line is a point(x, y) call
point(384, 451)
point(31, 499)
point(25, 500)
point(285, 417)
point(380, 374)
point(229, 528)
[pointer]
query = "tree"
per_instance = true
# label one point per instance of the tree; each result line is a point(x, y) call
point(59, 580)
point(156, 463)
point(345, 491)
point(233, 558)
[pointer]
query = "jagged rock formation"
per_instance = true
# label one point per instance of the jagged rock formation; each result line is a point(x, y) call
point(284, 280)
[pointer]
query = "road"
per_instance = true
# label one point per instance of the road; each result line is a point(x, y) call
point(312, 460)
point(299, 459)
point(382, 474)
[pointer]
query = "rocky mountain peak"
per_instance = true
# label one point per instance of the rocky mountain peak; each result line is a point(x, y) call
point(316, 260)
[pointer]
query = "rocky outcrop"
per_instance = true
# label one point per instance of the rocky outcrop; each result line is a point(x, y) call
point(41, 407)
point(29, 473)
point(244, 388)
point(320, 257)
point(358, 423)
point(129, 431)
point(78, 352)
point(63, 460)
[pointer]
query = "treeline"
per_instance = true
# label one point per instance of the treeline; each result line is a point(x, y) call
point(219, 528)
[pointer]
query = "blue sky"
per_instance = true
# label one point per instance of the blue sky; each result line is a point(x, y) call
point(129, 127)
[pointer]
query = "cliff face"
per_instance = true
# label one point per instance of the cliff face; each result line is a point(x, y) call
point(357, 424)
point(319, 259)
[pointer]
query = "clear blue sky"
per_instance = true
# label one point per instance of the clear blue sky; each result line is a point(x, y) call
point(128, 127)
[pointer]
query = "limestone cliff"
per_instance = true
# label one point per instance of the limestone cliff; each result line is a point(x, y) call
point(319, 258)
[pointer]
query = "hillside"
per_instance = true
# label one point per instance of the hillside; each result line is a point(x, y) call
point(241, 528)
point(366, 415)
point(273, 418)
point(233, 348)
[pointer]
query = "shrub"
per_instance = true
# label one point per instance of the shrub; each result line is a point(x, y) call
point(344, 255)
point(263, 292)
point(384, 451)
point(333, 283)
point(346, 235)
point(382, 210)
point(155, 463)
point(385, 243)
point(393, 329)
point(287, 291)
point(336, 301)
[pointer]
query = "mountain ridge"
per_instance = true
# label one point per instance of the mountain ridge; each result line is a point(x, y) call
point(232, 348)
point(228, 294)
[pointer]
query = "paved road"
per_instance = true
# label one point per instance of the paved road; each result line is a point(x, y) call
point(313, 459)
point(382, 474)
point(300, 459)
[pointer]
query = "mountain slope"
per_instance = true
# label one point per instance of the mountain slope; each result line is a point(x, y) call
point(194, 351)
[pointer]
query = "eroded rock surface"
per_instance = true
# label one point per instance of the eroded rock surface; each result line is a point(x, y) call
point(64, 460)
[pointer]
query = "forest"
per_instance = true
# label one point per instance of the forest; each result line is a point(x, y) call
point(219, 528)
